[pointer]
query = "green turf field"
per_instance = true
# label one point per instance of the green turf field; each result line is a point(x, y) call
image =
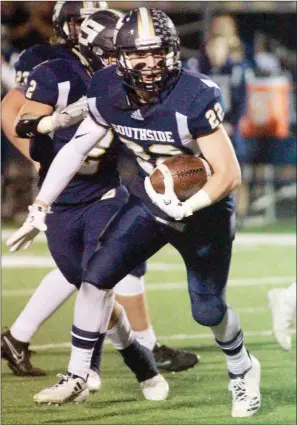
point(198, 396)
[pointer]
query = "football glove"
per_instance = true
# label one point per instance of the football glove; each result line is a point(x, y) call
point(75, 112)
point(34, 224)
point(68, 116)
point(167, 202)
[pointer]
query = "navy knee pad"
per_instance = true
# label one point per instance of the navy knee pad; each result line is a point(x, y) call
point(208, 309)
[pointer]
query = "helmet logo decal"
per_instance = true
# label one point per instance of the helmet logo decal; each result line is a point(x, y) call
point(145, 23)
point(57, 9)
point(91, 29)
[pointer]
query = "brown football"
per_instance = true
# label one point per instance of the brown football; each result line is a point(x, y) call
point(189, 173)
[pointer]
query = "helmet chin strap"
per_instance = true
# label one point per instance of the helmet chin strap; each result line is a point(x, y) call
point(83, 60)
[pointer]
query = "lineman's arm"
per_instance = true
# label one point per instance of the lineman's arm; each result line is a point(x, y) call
point(36, 117)
point(68, 160)
point(10, 106)
point(66, 163)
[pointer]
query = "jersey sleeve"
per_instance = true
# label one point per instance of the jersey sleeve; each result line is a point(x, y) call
point(42, 85)
point(96, 101)
point(206, 111)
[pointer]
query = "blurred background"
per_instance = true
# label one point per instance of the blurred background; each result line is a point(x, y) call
point(248, 48)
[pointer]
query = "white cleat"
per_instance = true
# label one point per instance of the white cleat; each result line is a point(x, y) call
point(246, 398)
point(155, 389)
point(93, 381)
point(67, 390)
point(281, 318)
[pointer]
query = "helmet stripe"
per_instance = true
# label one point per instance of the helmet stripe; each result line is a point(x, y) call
point(145, 23)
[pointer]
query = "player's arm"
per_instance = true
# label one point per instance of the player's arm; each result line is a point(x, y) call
point(69, 159)
point(66, 163)
point(38, 114)
point(10, 107)
point(204, 124)
point(217, 149)
point(36, 117)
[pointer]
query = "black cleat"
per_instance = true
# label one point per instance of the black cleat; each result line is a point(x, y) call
point(17, 355)
point(174, 360)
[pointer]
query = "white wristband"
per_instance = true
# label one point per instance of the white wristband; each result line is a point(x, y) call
point(198, 201)
point(46, 125)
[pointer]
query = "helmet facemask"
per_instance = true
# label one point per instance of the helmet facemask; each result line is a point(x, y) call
point(98, 58)
point(154, 79)
point(71, 29)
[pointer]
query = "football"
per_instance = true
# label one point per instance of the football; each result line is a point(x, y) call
point(190, 173)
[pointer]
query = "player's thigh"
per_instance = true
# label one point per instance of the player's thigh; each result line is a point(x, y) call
point(65, 241)
point(207, 255)
point(97, 216)
point(131, 239)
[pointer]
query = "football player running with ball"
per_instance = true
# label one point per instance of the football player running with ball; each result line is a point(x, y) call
point(159, 110)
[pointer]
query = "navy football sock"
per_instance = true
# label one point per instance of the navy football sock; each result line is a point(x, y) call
point(96, 356)
point(140, 360)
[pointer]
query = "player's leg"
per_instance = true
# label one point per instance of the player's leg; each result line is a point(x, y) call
point(130, 293)
point(207, 264)
point(282, 303)
point(133, 236)
point(138, 358)
point(53, 291)
point(67, 224)
point(96, 218)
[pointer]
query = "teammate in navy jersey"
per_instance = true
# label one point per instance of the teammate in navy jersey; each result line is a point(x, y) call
point(54, 288)
point(130, 292)
point(159, 110)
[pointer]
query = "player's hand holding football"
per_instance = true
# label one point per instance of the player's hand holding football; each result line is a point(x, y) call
point(168, 201)
point(34, 224)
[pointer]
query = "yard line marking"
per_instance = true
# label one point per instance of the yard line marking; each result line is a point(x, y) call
point(17, 292)
point(241, 238)
point(29, 261)
point(169, 338)
point(255, 281)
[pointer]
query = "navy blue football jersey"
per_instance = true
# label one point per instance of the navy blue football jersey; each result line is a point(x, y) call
point(34, 56)
point(156, 131)
point(59, 83)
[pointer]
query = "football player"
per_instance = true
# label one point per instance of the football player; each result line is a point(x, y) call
point(282, 303)
point(55, 289)
point(159, 110)
point(87, 206)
